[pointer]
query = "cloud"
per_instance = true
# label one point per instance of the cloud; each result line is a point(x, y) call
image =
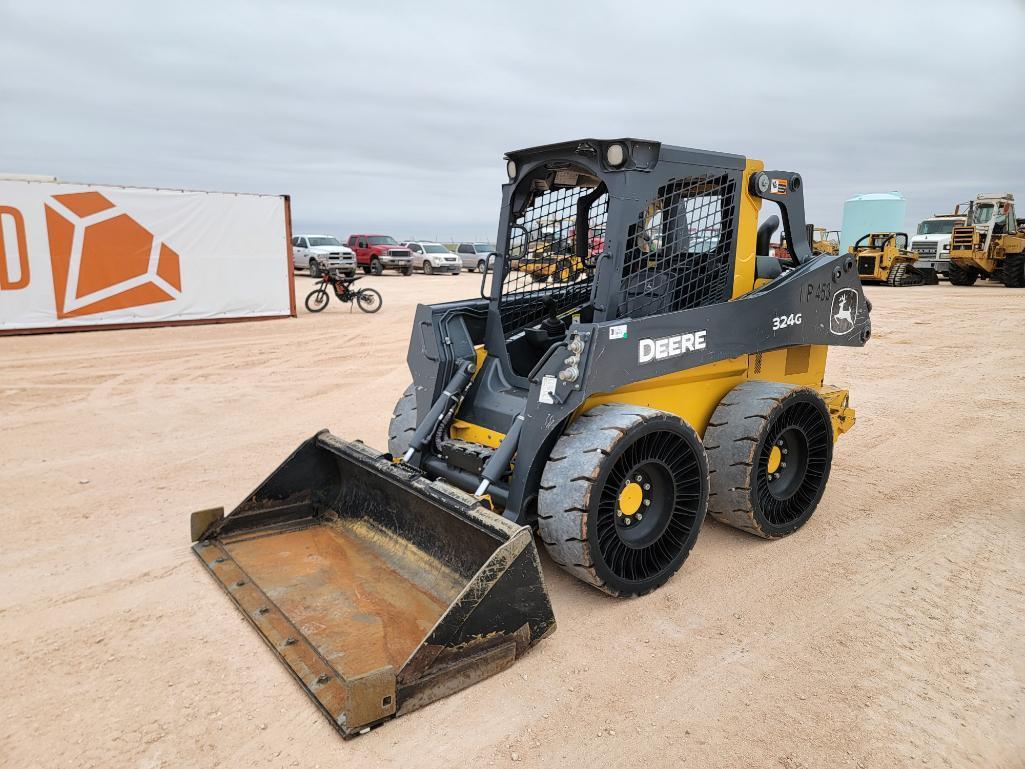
point(395, 116)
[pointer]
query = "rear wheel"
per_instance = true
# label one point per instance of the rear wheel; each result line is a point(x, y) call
point(480, 266)
point(962, 276)
point(314, 268)
point(376, 267)
point(1014, 270)
point(622, 497)
point(366, 269)
point(403, 423)
point(428, 268)
point(770, 447)
point(369, 300)
point(317, 300)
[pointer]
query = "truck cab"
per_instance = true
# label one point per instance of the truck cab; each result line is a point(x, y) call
point(377, 253)
point(931, 242)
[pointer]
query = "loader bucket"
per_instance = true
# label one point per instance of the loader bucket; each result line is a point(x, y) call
point(379, 590)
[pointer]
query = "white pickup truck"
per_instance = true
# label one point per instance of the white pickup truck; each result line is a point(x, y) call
point(319, 253)
point(931, 243)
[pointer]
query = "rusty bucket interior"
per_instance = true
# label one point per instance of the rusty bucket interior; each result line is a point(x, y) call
point(379, 590)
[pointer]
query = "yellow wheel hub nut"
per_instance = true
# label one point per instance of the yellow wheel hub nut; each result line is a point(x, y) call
point(630, 498)
point(775, 457)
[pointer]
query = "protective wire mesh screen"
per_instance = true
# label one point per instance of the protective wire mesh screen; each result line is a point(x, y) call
point(678, 253)
point(548, 268)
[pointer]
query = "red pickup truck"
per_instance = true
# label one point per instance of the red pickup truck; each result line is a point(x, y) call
point(377, 253)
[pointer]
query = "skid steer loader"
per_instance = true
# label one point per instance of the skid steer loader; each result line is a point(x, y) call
point(679, 372)
point(883, 257)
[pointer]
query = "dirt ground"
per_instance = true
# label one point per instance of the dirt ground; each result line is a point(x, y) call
point(885, 633)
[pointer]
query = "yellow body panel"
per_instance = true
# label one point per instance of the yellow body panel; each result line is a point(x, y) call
point(467, 431)
point(747, 232)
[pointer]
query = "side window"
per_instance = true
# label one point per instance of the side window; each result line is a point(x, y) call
point(465, 249)
point(414, 248)
point(678, 253)
point(302, 242)
point(362, 243)
point(295, 242)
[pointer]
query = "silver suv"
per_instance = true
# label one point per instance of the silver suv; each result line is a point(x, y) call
point(476, 256)
point(319, 253)
point(433, 257)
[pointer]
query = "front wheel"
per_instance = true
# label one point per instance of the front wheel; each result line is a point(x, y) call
point(481, 266)
point(962, 276)
point(317, 300)
point(407, 270)
point(376, 267)
point(622, 497)
point(369, 300)
point(428, 268)
point(314, 268)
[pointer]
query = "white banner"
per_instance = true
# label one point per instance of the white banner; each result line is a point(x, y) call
point(74, 256)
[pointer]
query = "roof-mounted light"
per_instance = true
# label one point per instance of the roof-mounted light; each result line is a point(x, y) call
point(510, 168)
point(615, 155)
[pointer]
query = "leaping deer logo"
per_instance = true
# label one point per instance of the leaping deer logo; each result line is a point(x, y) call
point(844, 310)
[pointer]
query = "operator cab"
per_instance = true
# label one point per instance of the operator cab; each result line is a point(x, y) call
point(573, 252)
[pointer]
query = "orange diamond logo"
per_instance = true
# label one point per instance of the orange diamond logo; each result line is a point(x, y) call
point(103, 259)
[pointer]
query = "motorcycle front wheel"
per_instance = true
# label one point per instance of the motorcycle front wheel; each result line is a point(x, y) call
point(316, 300)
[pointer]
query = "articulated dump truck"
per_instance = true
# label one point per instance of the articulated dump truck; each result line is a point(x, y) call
point(677, 370)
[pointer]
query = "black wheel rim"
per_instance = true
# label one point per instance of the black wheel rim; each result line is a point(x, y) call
point(801, 438)
point(671, 483)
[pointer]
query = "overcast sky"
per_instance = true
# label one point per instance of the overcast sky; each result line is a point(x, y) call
point(393, 116)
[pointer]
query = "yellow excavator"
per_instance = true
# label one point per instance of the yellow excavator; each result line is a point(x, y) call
point(680, 372)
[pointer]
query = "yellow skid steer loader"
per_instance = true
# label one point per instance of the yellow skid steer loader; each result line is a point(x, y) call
point(677, 372)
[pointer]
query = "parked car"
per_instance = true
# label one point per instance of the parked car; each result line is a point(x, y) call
point(320, 253)
point(475, 256)
point(377, 253)
point(433, 257)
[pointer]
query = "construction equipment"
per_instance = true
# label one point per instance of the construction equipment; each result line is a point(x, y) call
point(883, 257)
point(991, 243)
point(825, 241)
point(681, 373)
point(822, 241)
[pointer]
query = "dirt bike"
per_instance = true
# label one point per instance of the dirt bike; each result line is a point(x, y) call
point(367, 299)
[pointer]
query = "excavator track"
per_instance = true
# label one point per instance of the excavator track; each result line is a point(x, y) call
point(903, 275)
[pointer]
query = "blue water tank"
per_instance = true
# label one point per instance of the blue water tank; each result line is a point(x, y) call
point(873, 212)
